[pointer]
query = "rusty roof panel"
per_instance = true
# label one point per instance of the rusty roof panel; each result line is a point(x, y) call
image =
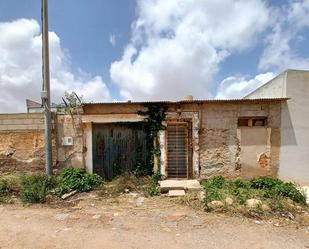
point(197, 101)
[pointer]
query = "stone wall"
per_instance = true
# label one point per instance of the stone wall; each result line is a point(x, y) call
point(220, 139)
point(22, 142)
point(70, 155)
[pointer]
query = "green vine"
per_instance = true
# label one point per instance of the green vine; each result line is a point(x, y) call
point(155, 115)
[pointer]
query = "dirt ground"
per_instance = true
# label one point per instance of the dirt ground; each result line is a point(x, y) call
point(131, 221)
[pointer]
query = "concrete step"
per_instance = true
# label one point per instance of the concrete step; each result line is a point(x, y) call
point(176, 193)
point(186, 185)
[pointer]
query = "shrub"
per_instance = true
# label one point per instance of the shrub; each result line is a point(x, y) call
point(156, 177)
point(266, 188)
point(4, 187)
point(154, 190)
point(265, 182)
point(217, 181)
point(76, 179)
point(34, 188)
point(274, 187)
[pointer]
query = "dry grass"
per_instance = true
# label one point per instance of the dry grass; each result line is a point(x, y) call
point(125, 183)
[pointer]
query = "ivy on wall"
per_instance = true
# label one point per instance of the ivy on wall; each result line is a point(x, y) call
point(154, 116)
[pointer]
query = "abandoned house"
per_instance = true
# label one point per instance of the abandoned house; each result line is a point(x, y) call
point(265, 133)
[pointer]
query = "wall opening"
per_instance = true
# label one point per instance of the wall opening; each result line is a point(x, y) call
point(179, 149)
point(252, 121)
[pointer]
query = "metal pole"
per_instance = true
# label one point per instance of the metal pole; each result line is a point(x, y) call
point(45, 95)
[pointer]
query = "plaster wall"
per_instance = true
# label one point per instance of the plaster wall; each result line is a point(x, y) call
point(294, 156)
point(221, 140)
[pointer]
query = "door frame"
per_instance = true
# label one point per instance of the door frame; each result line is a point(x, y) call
point(189, 156)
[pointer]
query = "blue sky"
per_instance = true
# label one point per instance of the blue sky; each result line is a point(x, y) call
point(84, 28)
point(153, 49)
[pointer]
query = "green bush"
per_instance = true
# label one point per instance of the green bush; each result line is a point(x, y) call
point(154, 190)
point(265, 182)
point(263, 188)
point(274, 187)
point(76, 179)
point(4, 187)
point(34, 188)
point(156, 177)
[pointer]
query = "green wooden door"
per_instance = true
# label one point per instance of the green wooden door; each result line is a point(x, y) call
point(118, 147)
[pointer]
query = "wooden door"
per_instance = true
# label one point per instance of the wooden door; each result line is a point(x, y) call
point(118, 147)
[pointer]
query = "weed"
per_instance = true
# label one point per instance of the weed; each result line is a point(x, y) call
point(274, 187)
point(156, 177)
point(126, 182)
point(4, 187)
point(34, 188)
point(154, 190)
point(272, 191)
point(76, 179)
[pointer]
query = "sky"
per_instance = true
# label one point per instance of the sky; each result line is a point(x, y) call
point(116, 50)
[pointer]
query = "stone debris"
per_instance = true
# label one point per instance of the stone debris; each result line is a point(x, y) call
point(61, 216)
point(201, 195)
point(305, 190)
point(253, 203)
point(96, 216)
point(176, 193)
point(216, 204)
point(265, 208)
point(177, 216)
point(228, 201)
point(139, 201)
point(67, 195)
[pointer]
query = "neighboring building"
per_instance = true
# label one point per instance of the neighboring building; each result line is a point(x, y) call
point(35, 107)
point(235, 138)
point(294, 151)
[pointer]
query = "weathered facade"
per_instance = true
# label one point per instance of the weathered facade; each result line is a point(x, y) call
point(202, 138)
point(232, 138)
point(22, 142)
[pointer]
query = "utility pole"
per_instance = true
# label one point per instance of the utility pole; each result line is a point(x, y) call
point(45, 94)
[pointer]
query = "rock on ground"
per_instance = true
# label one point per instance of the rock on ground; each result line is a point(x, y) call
point(253, 203)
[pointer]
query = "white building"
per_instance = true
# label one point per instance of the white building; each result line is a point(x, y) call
point(294, 149)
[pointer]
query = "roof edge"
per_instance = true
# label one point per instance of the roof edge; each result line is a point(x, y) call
point(190, 101)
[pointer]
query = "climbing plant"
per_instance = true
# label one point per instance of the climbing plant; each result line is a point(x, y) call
point(154, 116)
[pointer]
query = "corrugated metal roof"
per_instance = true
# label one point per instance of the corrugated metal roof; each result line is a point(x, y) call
point(191, 101)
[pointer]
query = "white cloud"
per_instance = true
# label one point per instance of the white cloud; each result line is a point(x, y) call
point(20, 68)
point(288, 23)
point(177, 45)
point(238, 87)
point(112, 39)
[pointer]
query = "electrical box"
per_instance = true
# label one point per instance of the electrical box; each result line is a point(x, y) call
point(67, 141)
point(44, 95)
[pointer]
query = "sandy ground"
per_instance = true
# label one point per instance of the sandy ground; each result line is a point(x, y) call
point(134, 222)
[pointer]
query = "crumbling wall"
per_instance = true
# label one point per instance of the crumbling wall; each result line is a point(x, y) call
point(70, 155)
point(220, 138)
point(219, 145)
point(22, 142)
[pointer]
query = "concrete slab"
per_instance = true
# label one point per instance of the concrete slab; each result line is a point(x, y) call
point(175, 193)
point(188, 185)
